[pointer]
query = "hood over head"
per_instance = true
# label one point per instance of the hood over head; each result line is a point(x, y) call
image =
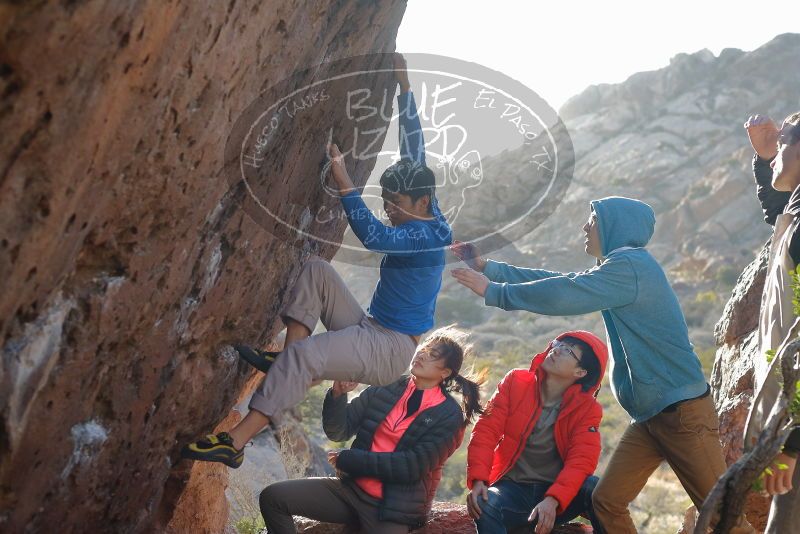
point(598, 346)
point(623, 222)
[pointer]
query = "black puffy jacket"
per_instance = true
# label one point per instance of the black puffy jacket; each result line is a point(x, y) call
point(412, 472)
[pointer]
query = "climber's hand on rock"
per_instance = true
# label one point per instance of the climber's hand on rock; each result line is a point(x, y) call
point(479, 491)
point(780, 481)
point(339, 170)
point(401, 73)
point(763, 135)
point(475, 281)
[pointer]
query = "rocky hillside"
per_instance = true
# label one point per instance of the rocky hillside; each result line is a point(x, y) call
point(127, 263)
point(674, 138)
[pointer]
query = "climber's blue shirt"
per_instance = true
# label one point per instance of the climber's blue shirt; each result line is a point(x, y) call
point(411, 270)
point(654, 364)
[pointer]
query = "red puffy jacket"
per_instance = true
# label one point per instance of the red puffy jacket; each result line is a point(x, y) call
point(500, 434)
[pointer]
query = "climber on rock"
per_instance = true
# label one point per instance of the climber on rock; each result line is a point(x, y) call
point(656, 376)
point(373, 347)
point(776, 167)
point(403, 432)
point(532, 454)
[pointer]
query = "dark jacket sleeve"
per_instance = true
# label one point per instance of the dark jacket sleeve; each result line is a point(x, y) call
point(772, 202)
point(794, 246)
point(412, 464)
point(340, 419)
point(793, 441)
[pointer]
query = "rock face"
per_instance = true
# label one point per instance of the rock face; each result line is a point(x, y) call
point(127, 264)
point(732, 376)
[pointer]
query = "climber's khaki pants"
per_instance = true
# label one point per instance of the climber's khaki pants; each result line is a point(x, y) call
point(687, 438)
point(356, 348)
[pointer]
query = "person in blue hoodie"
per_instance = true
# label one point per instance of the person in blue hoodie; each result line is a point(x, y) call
point(373, 347)
point(656, 375)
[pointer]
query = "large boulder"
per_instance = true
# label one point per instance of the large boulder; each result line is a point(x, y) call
point(127, 263)
point(732, 375)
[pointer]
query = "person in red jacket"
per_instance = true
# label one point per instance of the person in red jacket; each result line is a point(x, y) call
point(533, 452)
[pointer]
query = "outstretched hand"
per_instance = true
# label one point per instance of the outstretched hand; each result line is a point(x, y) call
point(475, 281)
point(469, 254)
point(763, 134)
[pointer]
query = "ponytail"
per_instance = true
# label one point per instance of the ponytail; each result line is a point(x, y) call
point(470, 388)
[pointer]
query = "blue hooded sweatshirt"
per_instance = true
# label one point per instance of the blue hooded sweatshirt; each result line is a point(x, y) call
point(653, 362)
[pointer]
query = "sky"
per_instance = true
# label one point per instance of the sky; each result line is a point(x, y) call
point(560, 48)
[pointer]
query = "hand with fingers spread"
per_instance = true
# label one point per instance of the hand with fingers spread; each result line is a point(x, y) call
point(475, 281)
point(340, 388)
point(469, 254)
point(545, 515)
point(401, 73)
point(779, 481)
point(479, 491)
point(339, 171)
point(763, 134)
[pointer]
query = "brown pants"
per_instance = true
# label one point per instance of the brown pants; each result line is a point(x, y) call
point(324, 499)
point(356, 348)
point(687, 438)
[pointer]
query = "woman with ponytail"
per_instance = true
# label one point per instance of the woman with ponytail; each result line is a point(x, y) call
point(403, 432)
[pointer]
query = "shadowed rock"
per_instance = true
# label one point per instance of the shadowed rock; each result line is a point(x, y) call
point(126, 260)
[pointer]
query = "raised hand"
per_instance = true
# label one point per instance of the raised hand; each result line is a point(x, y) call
point(477, 282)
point(479, 490)
point(340, 388)
point(763, 134)
point(469, 254)
point(338, 170)
point(401, 73)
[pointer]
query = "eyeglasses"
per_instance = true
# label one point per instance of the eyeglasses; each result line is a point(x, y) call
point(562, 347)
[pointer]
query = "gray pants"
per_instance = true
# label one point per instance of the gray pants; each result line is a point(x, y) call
point(325, 499)
point(355, 348)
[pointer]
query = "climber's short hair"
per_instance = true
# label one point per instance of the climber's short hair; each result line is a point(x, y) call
point(409, 177)
point(792, 136)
